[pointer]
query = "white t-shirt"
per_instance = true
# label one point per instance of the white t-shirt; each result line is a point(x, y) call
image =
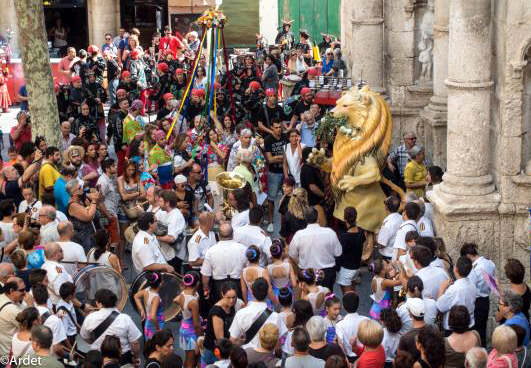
point(35, 207)
point(254, 235)
point(240, 219)
point(245, 317)
point(55, 324)
point(146, 251)
point(176, 224)
point(387, 233)
point(122, 327)
point(68, 324)
point(57, 275)
point(400, 239)
point(7, 232)
point(72, 252)
point(199, 243)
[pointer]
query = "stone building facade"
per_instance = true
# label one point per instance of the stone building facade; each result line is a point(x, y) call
point(458, 73)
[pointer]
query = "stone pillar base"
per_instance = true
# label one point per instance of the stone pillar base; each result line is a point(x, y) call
point(435, 117)
point(459, 219)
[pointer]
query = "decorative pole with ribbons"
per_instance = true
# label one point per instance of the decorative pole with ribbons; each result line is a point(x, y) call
point(229, 76)
point(190, 83)
point(213, 71)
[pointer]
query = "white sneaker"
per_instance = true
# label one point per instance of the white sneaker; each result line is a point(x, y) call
point(270, 228)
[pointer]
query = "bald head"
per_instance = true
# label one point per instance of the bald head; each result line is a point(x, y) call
point(53, 252)
point(65, 229)
point(206, 220)
point(47, 214)
point(225, 231)
point(6, 271)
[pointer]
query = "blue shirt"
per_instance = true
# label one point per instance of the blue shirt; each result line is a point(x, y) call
point(61, 195)
point(520, 320)
point(24, 93)
point(327, 67)
point(307, 136)
point(36, 258)
point(112, 48)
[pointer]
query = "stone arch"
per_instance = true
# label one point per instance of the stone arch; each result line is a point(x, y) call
point(524, 50)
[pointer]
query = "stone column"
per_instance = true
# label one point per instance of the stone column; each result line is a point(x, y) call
point(8, 20)
point(102, 19)
point(367, 42)
point(468, 183)
point(435, 114)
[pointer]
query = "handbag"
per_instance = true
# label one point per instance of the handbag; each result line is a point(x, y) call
point(132, 211)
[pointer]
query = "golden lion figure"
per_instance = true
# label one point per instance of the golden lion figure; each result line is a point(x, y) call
point(359, 156)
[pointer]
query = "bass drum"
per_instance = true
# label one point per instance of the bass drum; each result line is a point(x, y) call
point(169, 290)
point(90, 279)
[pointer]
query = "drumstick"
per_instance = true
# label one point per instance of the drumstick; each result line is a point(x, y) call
point(78, 262)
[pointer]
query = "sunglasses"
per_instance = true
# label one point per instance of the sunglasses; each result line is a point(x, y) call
point(108, 39)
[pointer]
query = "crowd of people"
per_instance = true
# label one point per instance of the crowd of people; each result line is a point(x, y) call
point(254, 292)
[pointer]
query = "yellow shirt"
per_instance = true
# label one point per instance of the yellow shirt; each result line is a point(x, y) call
point(414, 173)
point(47, 177)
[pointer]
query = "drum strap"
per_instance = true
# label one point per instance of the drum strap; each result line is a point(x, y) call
point(72, 319)
point(103, 326)
point(257, 325)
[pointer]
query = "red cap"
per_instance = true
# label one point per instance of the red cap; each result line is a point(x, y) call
point(305, 90)
point(135, 54)
point(270, 92)
point(314, 72)
point(179, 71)
point(168, 52)
point(254, 85)
point(126, 73)
point(167, 96)
point(76, 78)
point(162, 67)
point(198, 92)
point(92, 49)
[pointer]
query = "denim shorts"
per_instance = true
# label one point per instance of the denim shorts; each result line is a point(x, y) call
point(274, 184)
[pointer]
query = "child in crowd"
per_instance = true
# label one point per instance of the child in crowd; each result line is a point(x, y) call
point(312, 292)
point(12, 154)
point(151, 310)
point(190, 329)
point(333, 316)
point(66, 305)
point(285, 299)
point(406, 260)
point(392, 325)
point(385, 278)
point(252, 272)
point(347, 329)
point(280, 271)
point(30, 204)
point(224, 350)
point(371, 353)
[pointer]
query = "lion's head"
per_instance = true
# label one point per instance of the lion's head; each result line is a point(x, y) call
point(369, 116)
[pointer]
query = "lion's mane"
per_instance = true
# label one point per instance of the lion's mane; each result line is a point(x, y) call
point(366, 110)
